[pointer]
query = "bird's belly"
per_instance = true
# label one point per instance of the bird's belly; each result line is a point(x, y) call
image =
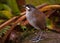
point(33, 22)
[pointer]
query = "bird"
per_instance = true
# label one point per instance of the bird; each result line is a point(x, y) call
point(36, 18)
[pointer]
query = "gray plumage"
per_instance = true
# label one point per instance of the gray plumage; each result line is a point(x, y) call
point(35, 17)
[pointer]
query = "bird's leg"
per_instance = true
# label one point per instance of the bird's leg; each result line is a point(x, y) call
point(38, 37)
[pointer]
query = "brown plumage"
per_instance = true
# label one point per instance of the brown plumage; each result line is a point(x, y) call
point(35, 17)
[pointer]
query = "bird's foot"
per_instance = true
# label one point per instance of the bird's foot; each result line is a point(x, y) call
point(37, 39)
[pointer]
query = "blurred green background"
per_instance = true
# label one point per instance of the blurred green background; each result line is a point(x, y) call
point(38, 2)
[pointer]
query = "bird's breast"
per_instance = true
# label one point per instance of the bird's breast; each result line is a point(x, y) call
point(31, 19)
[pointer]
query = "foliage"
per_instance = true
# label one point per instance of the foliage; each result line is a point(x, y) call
point(3, 31)
point(13, 5)
point(8, 9)
point(38, 2)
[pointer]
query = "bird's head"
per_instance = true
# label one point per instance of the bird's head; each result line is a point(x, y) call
point(29, 7)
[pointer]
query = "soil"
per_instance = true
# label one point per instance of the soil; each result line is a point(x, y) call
point(50, 37)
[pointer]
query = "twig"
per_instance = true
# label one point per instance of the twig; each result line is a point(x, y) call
point(8, 32)
point(49, 13)
point(24, 23)
point(23, 13)
point(7, 22)
point(50, 7)
point(41, 6)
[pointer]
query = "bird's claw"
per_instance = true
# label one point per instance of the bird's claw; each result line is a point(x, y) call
point(36, 39)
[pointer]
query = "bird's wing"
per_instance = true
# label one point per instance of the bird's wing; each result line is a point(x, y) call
point(41, 19)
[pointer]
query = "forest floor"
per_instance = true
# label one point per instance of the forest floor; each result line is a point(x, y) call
point(50, 37)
